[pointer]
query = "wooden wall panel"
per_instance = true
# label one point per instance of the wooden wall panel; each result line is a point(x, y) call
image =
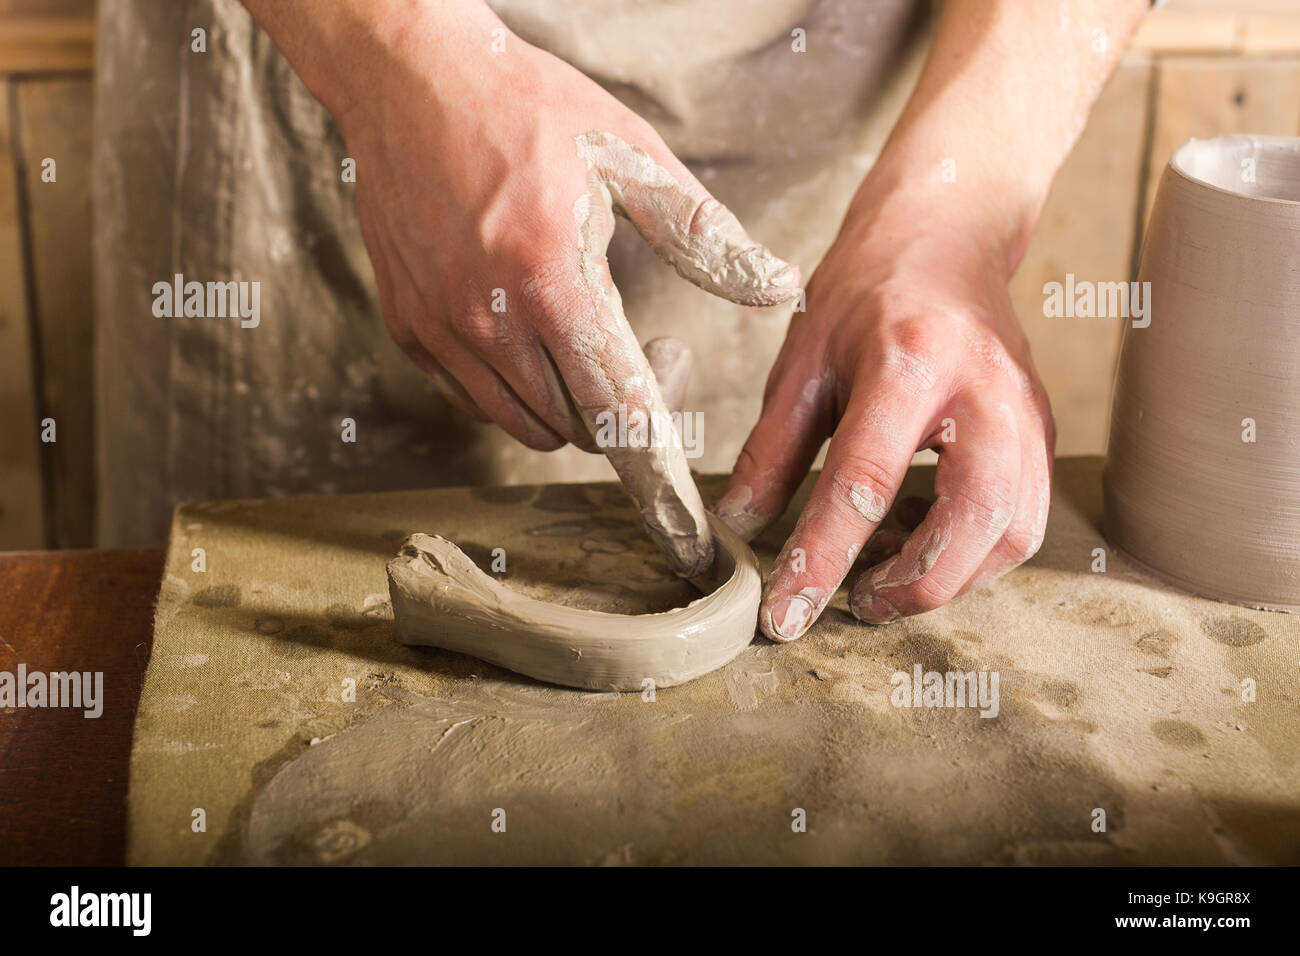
point(54, 117)
point(46, 43)
point(22, 523)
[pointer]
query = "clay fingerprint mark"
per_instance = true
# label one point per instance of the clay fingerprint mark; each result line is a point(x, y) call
point(1158, 643)
point(749, 680)
point(1177, 733)
point(338, 840)
point(1233, 631)
point(1105, 612)
point(1062, 694)
point(222, 595)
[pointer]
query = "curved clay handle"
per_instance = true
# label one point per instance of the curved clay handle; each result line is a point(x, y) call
point(441, 599)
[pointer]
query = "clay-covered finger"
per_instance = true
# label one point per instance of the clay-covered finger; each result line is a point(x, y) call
point(794, 424)
point(686, 227)
point(400, 329)
point(443, 382)
point(508, 345)
point(977, 485)
point(867, 460)
point(1024, 536)
point(490, 392)
point(615, 391)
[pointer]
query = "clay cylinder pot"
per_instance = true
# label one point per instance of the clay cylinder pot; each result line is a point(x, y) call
point(1202, 478)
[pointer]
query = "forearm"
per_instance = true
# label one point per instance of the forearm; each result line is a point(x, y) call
point(1004, 95)
point(346, 51)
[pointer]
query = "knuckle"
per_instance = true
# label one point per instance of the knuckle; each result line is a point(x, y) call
point(865, 485)
point(480, 328)
point(914, 356)
point(549, 280)
point(554, 294)
point(1022, 542)
point(992, 499)
point(914, 370)
point(925, 594)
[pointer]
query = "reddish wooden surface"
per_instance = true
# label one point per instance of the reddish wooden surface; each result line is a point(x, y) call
point(62, 776)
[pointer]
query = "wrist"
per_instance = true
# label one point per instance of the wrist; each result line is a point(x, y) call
point(979, 199)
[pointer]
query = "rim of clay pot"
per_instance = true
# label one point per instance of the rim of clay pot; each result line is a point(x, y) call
point(1234, 146)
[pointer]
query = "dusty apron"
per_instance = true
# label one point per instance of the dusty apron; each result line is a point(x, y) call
point(221, 167)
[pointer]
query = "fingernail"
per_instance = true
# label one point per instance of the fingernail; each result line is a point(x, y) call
point(876, 610)
point(790, 617)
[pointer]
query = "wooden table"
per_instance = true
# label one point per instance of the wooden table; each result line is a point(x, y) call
point(63, 777)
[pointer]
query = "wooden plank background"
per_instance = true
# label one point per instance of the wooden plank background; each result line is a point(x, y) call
point(55, 117)
point(22, 497)
point(1197, 68)
point(46, 330)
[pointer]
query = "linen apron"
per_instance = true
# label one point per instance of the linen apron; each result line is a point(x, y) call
point(221, 167)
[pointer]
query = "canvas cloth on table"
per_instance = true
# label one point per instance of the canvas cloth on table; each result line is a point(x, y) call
point(1116, 693)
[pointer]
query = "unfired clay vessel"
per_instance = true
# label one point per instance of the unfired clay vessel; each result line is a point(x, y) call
point(1202, 479)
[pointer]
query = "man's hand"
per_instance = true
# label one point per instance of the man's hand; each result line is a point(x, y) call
point(909, 341)
point(498, 174)
point(488, 175)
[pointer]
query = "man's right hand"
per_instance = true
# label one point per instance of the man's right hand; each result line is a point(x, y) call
point(488, 172)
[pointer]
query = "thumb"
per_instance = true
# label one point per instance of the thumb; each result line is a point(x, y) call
point(686, 227)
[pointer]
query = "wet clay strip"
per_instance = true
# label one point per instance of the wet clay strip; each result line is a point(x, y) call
point(441, 599)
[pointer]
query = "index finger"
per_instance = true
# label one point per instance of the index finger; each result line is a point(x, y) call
point(615, 391)
point(867, 460)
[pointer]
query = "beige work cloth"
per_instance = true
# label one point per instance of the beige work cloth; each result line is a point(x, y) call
point(1122, 734)
point(220, 166)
